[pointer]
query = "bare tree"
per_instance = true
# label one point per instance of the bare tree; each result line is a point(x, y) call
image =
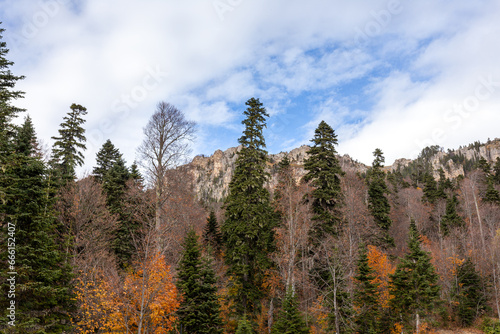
point(166, 145)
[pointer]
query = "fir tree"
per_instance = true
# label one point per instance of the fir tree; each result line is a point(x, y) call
point(451, 217)
point(66, 152)
point(248, 232)
point(324, 172)
point(25, 141)
point(244, 326)
point(430, 189)
point(43, 290)
point(414, 284)
point(199, 311)
point(443, 184)
point(469, 295)
point(377, 201)
point(107, 156)
point(135, 174)
point(365, 296)
point(114, 184)
point(496, 171)
point(289, 320)
point(211, 234)
point(491, 195)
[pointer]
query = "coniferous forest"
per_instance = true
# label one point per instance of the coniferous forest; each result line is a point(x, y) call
point(132, 248)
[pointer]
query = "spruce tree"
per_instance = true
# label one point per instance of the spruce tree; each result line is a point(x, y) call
point(290, 320)
point(324, 172)
point(443, 184)
point(377, 201)
point(135, 174)
point(414, 284)
point(248, 231)
point(199, 311)
point(68, 146)
point(26, 142)
point(212, 235)
point(469, 295)
point(366, 297)
point(451, 218)
point(107, 156)
point(496, 171)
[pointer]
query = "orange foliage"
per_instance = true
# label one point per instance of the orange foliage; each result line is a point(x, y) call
point(379, 262)
point(147, 299)
point(320, 313)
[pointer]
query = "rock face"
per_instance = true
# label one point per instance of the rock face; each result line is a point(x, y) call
point(213, 174)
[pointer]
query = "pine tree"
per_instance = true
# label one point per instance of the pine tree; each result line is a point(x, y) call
point(324, 172)
point(66, 152)
point(199, 311)
point(366, 296)
point(107, 156)
point(212, 235)
point(377, 201)
point(451, 217)
point(471, 299)
point(414, 284)
point(248, 229)
point(290, 320)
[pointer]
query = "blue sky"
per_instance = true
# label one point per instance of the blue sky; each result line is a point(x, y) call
point(393, 74)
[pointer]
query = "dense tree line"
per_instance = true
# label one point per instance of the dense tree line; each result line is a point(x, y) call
point(327, 249)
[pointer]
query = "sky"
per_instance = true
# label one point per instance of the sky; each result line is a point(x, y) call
point(391, 74)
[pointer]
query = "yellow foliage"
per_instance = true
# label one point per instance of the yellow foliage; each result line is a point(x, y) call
point(380, 263)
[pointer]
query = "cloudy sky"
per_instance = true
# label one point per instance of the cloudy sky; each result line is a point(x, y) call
point(393, 74)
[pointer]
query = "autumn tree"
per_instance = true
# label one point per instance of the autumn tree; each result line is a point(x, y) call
point(165, 145)
point(68, 146)
point(199, 311)
point(248, 231)
point(377, 198)
point(414, 284)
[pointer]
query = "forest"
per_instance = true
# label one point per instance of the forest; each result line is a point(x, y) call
point(134, 249)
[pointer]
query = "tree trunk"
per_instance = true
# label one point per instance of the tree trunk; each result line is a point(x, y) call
point(418, 322)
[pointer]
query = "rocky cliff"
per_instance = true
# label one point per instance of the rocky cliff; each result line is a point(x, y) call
point(213, 174)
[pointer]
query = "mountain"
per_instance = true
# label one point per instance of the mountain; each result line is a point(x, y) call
point(212, 174)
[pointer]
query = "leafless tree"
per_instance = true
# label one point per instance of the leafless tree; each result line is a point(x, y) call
point(166, 145)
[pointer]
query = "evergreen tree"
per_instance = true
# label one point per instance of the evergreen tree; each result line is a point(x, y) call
point(199, 311)
point(135, 174)
point(377, 201)
point(212, 235)
point(471, 299)
point(25, 141)
point(451, 217)
point(496, 171)
point(107, 156)
point(430, 189)
point(443, 184)
point(42, 283)
point(365, 296)
point(114, 184)
point(491, 195)
point(66, 152)
point(244, 326)
point(290, 321)
point(248, 231)
point(324, 171)
point(7, 95)
point(414, 284)
point(483, 165)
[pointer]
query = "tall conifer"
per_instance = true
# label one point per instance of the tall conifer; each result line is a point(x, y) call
point(290, 320)
point(250, 219)
point(107, 156)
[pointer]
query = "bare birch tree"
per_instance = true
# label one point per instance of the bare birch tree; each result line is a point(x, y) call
point(166, 144)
